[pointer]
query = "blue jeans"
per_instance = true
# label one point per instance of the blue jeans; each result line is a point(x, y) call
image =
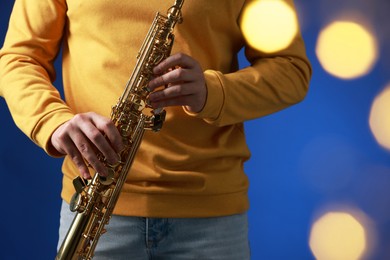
point(224, 238)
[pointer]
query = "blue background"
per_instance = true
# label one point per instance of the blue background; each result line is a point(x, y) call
point(318, 153)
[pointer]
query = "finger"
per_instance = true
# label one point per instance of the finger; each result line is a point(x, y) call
point(172, 92)
point(179, 101)
point(78, 160)
point(172, 77)
point(178, 59)
point(99, 141)
point(111, 132)
point(87, 152)
point(71, 150)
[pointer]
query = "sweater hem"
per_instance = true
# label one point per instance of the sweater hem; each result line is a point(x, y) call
point(165, 205)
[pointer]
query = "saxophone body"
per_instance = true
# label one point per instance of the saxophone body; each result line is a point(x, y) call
point(95, 199)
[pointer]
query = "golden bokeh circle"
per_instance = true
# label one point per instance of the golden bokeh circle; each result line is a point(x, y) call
point(379, 120)
point(338, 236)
point(269, 25)
point(346, 49)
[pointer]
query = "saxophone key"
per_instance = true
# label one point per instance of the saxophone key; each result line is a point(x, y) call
point(79, 184)
point(77, 203)
point(109, 178)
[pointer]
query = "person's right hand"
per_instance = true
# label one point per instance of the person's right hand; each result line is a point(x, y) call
point(83, 137)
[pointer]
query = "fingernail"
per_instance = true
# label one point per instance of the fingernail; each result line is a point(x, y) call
point(86, 176)
point(156, 70)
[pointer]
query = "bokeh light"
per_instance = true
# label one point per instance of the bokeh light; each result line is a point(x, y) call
point(340, 235)
point(346, 49)
point(269, 25)
point(379, 118)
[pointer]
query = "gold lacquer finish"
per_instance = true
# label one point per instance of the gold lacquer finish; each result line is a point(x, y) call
point(95, 199)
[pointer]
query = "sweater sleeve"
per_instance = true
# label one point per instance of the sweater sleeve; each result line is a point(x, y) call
point(27, 72)
point(271, 83)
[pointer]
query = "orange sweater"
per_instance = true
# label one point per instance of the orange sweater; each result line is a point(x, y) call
point(193, 167)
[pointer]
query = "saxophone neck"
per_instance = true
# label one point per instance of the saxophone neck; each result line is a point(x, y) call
point(174, 13)
point(178, 4)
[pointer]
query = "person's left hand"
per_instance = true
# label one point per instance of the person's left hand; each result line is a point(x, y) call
point(185, 85)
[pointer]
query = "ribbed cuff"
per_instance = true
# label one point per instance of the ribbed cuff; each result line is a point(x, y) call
point(46, 127)
point(212, 109)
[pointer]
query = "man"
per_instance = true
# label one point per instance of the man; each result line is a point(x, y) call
point(186, 194)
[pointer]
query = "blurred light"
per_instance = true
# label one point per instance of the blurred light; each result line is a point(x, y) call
point(380, 118)
point(339, 235)
point(269, 25)
point(346, 49)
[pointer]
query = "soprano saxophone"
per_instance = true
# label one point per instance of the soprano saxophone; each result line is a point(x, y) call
point(95, 199)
